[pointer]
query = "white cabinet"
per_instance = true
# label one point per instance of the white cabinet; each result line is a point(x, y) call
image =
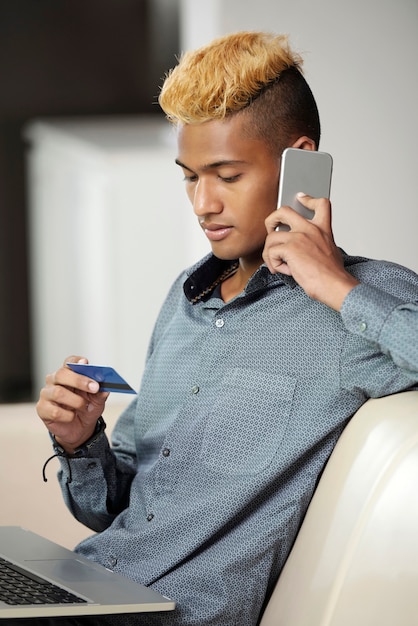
point(110, 227)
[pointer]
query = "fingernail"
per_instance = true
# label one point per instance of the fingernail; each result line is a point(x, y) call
point(300, 194)
point(93, 386)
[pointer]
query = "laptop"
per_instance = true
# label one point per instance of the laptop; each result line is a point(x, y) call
point(63, 583)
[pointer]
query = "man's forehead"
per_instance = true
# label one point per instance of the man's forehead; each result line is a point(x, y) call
point(215, 142)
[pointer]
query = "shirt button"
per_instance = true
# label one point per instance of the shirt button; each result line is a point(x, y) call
point(92, 465)
point(150, 517)
point(195, 389)
point(362, 327)
point(219, 323)
point(166, 452)
point(113, 561)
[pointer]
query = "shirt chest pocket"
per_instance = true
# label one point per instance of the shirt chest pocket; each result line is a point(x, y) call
point(247, 422)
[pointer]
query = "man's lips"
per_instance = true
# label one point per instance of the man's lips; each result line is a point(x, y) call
point(216, 232)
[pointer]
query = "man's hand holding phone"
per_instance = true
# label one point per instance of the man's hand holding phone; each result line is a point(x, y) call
point(303, 246)
point(308, 252)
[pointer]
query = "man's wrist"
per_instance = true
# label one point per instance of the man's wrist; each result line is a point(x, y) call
point(83, 448)
point(334, 291)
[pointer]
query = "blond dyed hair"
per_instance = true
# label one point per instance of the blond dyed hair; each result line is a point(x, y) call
point(225, 76)
point(254, 74)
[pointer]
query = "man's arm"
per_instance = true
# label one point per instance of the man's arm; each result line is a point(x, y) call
point(95, 481)
point(383, 309)
point(385, 318)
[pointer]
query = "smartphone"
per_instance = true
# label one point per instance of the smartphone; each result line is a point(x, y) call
point(303, 170)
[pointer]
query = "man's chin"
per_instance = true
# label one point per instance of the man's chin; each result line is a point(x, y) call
point(223, 256)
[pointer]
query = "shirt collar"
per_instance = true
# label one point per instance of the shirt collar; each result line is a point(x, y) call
point(209, 272)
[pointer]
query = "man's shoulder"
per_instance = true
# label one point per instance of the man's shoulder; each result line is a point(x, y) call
point(385, 275)
point(360, 266)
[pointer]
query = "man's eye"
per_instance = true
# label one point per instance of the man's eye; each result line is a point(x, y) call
point(230, 179)
point(191, 178)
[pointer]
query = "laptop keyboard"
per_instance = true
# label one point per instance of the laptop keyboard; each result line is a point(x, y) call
point(17, 587)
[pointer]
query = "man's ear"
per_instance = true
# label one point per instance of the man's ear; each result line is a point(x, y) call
point(304, 143)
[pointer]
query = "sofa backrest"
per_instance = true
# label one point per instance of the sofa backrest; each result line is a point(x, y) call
point(355, 559)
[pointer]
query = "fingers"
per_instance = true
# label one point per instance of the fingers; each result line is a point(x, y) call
point(321, 208)
point(321, 216)
point(66, 377)
point(75, 359)
point(275, 253)
point(70, 404)
point(308, 252)
point(299, 234)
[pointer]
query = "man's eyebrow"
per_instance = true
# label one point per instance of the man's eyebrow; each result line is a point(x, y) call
point(214, 165)
point(181, 164)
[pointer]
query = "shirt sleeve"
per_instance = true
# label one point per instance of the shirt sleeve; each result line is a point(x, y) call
point(96, 483)
point(388, 321)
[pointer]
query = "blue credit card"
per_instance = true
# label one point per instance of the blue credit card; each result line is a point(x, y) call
point(107, 377)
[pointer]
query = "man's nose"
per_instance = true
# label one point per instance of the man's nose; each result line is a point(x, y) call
point(205, 199)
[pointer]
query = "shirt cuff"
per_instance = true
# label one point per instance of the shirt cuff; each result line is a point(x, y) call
point(366, 309)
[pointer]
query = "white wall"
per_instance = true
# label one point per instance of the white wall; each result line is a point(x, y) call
point(107, 204)
point(361, 61)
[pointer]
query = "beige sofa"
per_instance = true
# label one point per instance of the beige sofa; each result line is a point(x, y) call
point(355, 560)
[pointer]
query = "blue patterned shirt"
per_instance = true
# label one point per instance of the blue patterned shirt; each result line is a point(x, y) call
point(214, 463)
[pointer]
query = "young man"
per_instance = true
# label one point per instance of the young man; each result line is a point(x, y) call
point(261, 354)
